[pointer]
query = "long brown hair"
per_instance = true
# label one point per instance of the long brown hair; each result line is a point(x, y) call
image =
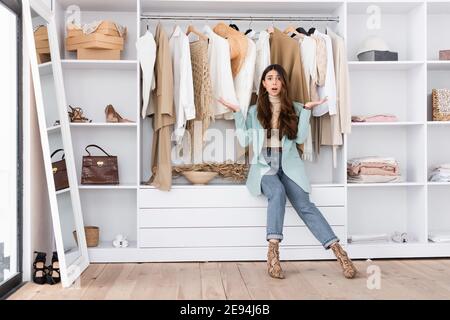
point(288, 121)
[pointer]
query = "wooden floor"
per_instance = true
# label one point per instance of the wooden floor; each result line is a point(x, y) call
point(400, 279)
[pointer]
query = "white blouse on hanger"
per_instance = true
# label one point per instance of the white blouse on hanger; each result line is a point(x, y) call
point(262, 57)
point(220, 72)
point(183, 86)
point(329, 89)
point(146, 51)
point(243, 83)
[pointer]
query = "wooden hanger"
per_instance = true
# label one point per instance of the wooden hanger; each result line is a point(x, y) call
point(289, 29)
point(192, 29)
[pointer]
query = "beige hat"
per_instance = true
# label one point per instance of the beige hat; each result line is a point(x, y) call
point(238, 45)
point(373, 43)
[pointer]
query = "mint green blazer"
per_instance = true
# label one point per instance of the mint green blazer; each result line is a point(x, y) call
point(250, 132)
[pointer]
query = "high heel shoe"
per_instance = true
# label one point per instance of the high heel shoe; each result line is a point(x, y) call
point(113, 116)
point(53, 274)
point(76, 115)
point(39, 268)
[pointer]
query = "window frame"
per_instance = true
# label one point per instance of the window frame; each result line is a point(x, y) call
point(11, 285)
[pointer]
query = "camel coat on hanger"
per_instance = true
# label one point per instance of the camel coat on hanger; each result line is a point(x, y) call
point(164, 116)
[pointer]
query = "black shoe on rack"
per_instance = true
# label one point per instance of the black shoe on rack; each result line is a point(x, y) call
point(39, 268)
point(53, 274)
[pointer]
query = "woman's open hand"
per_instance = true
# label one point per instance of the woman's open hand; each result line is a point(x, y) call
point(311, 105)
point(230, 106)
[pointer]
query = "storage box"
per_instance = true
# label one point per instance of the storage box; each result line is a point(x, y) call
point(444, 55)
point(94, 41)
point(98, 54)
point(441, 104)
point(108, 28)
point(375, 55)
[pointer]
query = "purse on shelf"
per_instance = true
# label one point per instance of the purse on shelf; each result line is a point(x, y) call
point(441, 104)
point(99, 169)
point(60, 172)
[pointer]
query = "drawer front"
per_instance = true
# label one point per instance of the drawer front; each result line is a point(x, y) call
point(225, 217)
point(227, 197)
point(225, 237)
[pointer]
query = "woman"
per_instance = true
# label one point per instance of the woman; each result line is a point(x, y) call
point(273, 127)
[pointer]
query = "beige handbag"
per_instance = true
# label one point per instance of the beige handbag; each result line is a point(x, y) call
point(441, 104)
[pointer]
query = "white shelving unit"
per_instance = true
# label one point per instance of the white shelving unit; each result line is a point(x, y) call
point(192, 223)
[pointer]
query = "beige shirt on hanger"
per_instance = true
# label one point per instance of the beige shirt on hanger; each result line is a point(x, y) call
point(164, 116)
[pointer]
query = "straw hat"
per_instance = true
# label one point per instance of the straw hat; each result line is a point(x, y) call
point(238, 45)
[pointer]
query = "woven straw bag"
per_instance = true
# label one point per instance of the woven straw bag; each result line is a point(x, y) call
point(441, 104)
point(92, 236)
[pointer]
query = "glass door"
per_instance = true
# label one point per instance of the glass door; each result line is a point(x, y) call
point(10, 148)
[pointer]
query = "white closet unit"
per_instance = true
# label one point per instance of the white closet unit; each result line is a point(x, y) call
point(222, 221)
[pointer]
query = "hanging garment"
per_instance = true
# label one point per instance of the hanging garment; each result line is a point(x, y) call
point(146, 51)
point(342, 82)
point(220, 71)
point(202, 98)
point(285, 51)
point(329, 89)
point(183, 87)
point(164, 116)
point(238, 45)
point(308, 55)
point(262, 57)
point(243, 83)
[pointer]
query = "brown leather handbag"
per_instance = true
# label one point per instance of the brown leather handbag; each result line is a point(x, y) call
point(60, 172)
point(99, 169)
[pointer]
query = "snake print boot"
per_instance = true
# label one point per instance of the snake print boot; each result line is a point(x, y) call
point(273, 261)
point(348, 268)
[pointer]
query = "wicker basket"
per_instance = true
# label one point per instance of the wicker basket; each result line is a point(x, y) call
point(441, 104)
point(92, 236)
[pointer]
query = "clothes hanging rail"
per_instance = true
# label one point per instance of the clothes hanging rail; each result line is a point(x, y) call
point(243, 18)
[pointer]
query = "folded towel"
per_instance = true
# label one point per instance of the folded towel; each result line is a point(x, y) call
point(375, 118)
point(368, 237)
point(372, 159)
point(439, 236)
point(373, 179)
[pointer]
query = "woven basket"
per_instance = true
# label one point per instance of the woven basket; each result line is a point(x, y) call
point(441, 104)
point(92, 236)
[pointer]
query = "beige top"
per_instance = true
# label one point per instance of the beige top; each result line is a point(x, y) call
point(275, 105)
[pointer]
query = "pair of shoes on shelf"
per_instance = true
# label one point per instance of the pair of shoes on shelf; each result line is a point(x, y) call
point(113, 116)
point(76, 115)
point(46, 274)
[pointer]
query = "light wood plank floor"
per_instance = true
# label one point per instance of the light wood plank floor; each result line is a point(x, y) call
point(400, 279)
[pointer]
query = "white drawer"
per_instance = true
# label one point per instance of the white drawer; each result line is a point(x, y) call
point(226, 217)
point(227, 197)
point(225, 237)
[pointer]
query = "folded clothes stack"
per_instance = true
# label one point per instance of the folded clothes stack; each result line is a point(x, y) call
point(375, 118)
point(441, 173)
point(373, 170)
point(399, 237)
point(439, 236)
point(368, 238)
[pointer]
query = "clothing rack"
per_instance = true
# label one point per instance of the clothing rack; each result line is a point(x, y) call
point(243, 18)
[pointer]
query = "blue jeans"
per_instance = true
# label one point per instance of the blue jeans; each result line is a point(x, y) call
point(276, 186)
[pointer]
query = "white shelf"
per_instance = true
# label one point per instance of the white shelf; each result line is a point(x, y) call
point(385, 185)
point(389, 124)
point(383, 65)
point(104, 125)
point(105, 187)
point(54, 129)
point(62, 191)
point(100, 5)
point(439, 65)
point(438, 123)
point(100, 64)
